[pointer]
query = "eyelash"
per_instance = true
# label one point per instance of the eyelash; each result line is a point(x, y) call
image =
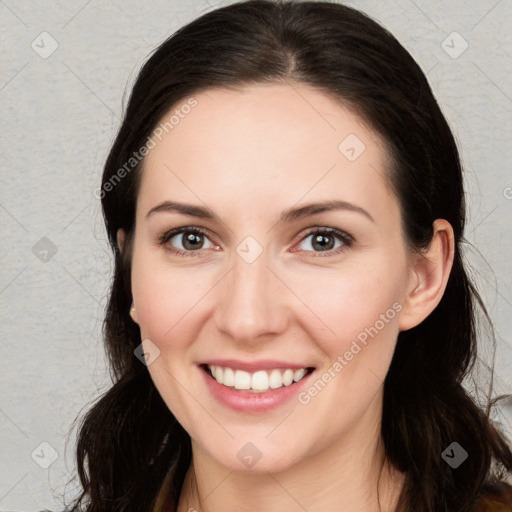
point(347, 240)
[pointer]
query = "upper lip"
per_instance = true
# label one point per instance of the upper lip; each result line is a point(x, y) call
point(264, 364)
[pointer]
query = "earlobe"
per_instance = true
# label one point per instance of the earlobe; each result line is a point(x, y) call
point(120, 239)
point(429, 276)
point(133, 313)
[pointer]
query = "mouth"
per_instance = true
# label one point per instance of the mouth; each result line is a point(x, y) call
point(256, 382)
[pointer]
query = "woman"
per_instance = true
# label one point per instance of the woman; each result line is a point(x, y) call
point(290, 318)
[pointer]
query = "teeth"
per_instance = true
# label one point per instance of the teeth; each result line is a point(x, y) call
point(299, 374)
point(242, 379)
point(275, 381)
point(259, 381)
point(218, 375)
point(288, 377)
point(228, 376)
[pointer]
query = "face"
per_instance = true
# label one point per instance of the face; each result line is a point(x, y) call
point(267, 284)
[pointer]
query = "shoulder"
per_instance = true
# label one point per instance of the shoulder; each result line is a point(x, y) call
point(499, 499)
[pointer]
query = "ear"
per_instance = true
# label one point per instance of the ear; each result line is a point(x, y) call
point(133, 314)
point(120, 236)
point(429, 274)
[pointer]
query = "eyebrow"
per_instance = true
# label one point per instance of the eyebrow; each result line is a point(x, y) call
point(290, 215)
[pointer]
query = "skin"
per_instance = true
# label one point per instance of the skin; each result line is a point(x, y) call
point(248, 155)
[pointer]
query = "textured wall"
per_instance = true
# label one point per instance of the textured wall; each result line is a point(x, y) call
point(60, 112)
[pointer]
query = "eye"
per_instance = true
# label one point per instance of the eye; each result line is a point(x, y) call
point(191, 244)
point(324, 239)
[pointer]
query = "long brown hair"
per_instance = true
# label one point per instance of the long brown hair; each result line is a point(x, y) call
point(129, 439)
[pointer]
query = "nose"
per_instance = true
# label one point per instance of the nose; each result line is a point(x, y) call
point(252, 302)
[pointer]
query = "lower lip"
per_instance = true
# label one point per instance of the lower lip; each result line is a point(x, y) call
point(253, 402)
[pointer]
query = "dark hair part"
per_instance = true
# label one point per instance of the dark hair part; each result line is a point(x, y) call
point(129, 439)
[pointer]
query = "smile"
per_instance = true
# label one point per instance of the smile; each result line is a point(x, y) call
point(258, 390)
point(256, 382)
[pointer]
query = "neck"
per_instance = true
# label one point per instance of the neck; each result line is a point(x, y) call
point(351, 475)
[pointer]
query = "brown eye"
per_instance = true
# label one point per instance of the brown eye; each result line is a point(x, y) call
point(185, 240)
point(324, 240)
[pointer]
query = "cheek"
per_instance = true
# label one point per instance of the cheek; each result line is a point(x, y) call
point(164, 310)
point(351, 302)
point(361, 310)
point(172, 302)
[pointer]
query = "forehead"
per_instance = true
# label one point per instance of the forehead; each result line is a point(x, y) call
point(269, 143)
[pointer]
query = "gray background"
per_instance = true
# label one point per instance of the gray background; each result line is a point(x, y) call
point(60, 113)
